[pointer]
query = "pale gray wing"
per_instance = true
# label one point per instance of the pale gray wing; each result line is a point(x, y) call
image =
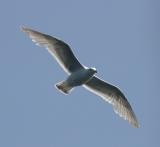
point(59, 49)
point(114, 96)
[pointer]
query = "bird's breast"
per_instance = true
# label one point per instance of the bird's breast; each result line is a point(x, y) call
point(78, 78)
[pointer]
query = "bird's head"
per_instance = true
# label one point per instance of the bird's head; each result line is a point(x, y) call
point(94, 70)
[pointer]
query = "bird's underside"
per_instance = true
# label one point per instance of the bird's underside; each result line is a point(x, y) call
point(77, 78)
point(65, 57)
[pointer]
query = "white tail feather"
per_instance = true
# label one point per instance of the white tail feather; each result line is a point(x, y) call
point(64, 87)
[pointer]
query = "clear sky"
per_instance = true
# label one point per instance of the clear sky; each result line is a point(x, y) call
point(120, 38)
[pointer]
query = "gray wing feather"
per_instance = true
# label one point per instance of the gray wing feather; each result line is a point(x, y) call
point(59, 49)
point(114, 96)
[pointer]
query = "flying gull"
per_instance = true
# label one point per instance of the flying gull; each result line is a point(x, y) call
point(81, 75)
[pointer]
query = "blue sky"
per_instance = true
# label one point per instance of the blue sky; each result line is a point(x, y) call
point(119, 38)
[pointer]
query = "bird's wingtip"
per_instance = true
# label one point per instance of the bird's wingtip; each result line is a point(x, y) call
point(24, 28)
point(137, 125)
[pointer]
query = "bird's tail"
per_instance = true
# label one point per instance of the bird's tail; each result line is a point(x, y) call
point(64, 87)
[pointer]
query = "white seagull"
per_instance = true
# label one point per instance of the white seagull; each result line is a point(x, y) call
point(81, 75)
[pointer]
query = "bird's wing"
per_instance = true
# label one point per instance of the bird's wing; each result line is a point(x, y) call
point(114, 96)
point(59, 49)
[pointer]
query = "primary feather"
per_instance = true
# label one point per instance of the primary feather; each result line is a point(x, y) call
point(114, 96)
point(59, 49)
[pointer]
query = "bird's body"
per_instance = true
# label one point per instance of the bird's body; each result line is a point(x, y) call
point(80, 75)
point(77, 78)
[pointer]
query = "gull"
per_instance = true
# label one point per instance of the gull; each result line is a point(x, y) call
point(80, 75)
